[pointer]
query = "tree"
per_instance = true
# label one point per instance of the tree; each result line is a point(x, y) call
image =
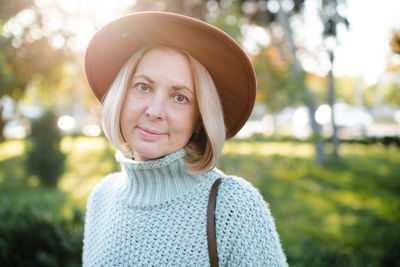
point(23, 56)
point(259, 13)
point(391, 93)
point(196, 9)
point(44, 156)
point(395, 42)
point(332, 20)
point(8, 81)
point(275, 85)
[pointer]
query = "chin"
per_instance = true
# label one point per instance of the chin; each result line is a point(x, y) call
point(143, 154)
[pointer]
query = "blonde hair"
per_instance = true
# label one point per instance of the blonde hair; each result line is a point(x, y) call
point(205, 145)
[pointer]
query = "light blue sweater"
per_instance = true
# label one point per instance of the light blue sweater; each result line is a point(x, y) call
point(154, 214)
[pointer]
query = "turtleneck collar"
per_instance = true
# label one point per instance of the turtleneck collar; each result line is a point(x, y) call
point(152, 182)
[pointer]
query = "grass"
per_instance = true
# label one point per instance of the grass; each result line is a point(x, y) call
point(345, 214)
point(352, 206)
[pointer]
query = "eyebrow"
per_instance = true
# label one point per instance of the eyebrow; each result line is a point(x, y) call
point(183, 87)
point(175, 87)
point(144, 77)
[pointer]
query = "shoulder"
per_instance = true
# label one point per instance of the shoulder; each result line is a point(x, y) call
point(244, 206)
point(105, 188)
point(245, 225)
point(240, 192)
point(238, 199)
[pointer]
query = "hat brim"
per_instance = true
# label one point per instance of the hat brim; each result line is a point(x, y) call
point(228, 64)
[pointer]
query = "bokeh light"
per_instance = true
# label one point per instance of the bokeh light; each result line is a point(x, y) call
point(66, 123)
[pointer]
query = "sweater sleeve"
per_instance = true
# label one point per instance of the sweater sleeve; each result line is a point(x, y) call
point(247, 227)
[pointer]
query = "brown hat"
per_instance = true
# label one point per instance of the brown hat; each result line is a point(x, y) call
point(228, 64)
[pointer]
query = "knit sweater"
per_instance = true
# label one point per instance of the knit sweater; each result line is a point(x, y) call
point(153, 213)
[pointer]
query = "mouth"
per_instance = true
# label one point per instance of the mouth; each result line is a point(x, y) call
point(147, 132)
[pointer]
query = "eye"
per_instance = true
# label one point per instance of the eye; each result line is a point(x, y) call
point(181, 99)
point(142, 87)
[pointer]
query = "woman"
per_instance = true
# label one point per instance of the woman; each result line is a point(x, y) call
point(173, 90)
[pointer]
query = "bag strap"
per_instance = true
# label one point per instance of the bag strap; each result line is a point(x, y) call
point(212, 243)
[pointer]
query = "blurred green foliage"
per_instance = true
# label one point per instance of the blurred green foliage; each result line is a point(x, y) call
point(35, 232)
point(44, 156)
point(272, 73)
point(339, 215)
point(391, 93)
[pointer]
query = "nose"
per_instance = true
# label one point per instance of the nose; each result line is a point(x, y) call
point(155, 109)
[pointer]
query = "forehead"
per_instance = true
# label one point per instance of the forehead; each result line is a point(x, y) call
point(165, 63)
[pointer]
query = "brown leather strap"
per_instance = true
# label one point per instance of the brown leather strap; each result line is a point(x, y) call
point(212, 242)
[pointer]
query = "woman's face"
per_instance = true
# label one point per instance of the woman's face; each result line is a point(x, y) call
point(160, 109)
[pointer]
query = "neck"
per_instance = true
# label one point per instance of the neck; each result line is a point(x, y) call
point(157, 181)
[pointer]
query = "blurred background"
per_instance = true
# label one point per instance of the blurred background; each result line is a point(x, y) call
point(322, 144)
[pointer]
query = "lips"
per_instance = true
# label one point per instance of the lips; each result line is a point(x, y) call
point(150, 133)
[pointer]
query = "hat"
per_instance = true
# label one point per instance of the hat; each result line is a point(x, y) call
point(228, 64)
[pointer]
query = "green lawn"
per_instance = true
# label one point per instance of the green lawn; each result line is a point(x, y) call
point(351, 210)
point(339, 215)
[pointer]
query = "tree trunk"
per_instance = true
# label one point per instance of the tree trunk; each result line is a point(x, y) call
point(296, 71)
point(2, 124)
point(331, 101)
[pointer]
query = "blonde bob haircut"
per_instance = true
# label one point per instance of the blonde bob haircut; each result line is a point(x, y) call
point(205, 145)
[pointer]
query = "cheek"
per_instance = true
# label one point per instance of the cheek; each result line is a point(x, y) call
point(131, 108)
point(128, 116)
point(124, 117)
point(185, 125)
